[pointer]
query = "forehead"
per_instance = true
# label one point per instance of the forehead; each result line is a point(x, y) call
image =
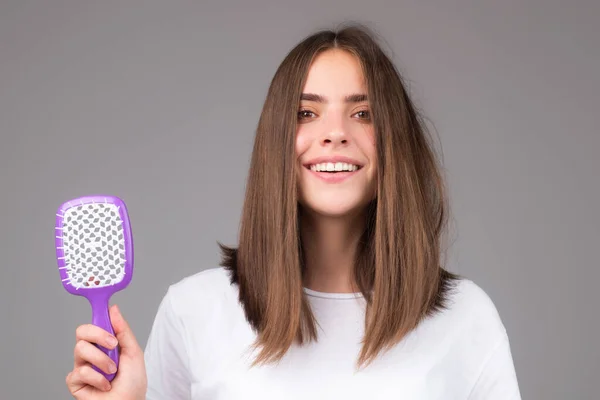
point(335, 73)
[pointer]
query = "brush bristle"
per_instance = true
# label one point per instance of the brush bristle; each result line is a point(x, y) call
point(93, 243)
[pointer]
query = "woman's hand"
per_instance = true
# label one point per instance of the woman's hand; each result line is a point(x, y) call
point(85, 383)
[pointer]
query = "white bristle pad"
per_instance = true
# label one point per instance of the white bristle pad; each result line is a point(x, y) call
point(94, 245)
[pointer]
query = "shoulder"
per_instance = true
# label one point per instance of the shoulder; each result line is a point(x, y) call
point(481, 343)
point(470, 302)
point(469, 317)
point(208, 289)
point(470, 320)
point(209, 279)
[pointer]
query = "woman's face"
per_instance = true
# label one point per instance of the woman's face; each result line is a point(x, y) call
point(335, 141)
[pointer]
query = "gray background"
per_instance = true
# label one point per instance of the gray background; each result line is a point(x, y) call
point(157, 102)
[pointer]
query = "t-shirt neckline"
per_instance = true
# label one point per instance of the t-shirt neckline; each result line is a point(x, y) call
point(330, 295)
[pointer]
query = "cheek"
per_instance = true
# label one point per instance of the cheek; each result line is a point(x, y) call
point(371, 135)
point(368, 143)
point(302, 141)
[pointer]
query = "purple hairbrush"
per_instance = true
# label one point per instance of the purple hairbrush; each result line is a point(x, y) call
point(94, 250)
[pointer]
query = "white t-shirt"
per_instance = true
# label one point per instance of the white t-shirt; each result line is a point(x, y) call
point(198, 349)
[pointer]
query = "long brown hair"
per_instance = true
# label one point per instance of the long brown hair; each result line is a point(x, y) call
point(399, 267)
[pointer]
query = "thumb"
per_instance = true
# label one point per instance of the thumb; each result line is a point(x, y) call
point(123, 332)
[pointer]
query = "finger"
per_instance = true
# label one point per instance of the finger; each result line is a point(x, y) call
point(85, 375)
point(95, 334)
point(122, 330)
point(87, 353)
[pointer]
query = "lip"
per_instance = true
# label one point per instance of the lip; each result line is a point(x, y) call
point(333, 177)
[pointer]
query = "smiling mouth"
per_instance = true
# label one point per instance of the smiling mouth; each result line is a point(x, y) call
point(333, 168)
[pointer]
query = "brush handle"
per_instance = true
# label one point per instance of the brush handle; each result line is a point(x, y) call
point(101, 318)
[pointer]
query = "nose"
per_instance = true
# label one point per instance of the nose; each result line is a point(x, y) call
point(335, 139)
point(335, 135)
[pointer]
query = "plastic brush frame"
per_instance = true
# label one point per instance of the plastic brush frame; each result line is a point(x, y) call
point(98, 297)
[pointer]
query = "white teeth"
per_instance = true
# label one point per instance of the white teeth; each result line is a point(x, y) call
point(330, 167)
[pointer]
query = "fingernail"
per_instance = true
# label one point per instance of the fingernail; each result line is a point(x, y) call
point(112, 368)
point(112, 342)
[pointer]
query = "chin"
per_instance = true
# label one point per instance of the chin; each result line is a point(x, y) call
point(337, 209)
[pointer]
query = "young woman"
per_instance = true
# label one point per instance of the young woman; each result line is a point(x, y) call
point(336, 288)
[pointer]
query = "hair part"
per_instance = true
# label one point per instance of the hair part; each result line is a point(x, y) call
point(399, 265)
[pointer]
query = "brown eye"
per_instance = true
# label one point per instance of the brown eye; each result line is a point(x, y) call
point(304, 114)
point(364, 114)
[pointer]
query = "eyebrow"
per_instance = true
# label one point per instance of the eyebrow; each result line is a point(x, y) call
point(351, 98)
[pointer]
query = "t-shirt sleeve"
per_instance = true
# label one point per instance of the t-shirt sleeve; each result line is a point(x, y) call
point(166, 356)
point(498, 379)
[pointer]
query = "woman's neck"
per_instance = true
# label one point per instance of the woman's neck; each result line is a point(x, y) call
point(330, 246)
